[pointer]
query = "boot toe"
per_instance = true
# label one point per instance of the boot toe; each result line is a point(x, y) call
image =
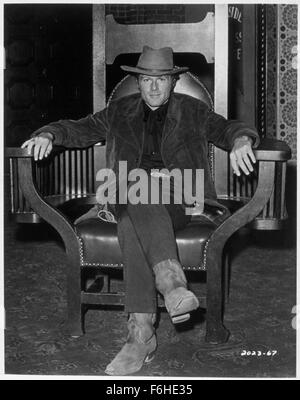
point(131, 358)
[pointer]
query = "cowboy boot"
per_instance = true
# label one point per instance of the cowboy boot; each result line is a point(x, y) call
point(171, 283)
point(139, 347)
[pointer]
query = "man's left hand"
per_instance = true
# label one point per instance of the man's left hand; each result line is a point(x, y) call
point(242, 156)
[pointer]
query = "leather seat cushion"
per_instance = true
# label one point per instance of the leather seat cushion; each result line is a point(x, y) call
point(100, 246)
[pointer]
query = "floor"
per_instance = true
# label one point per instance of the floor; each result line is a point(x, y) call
point(259, 315)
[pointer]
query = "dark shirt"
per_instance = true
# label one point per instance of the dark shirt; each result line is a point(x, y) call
point(154, 121)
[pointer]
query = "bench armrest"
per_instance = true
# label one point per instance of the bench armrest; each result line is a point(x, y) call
point(272, 150)
point(39, 205)
point(17, 152)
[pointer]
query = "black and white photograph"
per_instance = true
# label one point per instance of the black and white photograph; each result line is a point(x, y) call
point(150, 192)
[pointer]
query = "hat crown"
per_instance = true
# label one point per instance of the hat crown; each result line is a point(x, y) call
point(155, 62)
point(156, 59)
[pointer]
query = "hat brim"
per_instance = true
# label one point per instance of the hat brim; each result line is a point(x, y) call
point(154, 72)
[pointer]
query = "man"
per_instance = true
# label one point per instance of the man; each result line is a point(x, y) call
point(153, 129)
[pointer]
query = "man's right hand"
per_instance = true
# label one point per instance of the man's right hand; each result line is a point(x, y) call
point(42, 144)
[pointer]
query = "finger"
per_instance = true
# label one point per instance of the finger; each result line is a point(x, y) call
point(241, 164)
point(30, 146)
point(247, 161)
point(252, 156)
point(37, 150)
point(48, 149)
point(234, 164)
point(43, 148)
point(25, 144)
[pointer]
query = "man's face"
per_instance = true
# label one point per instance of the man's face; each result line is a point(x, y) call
point(155, 90)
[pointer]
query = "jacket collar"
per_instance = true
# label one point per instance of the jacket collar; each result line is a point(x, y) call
point(172, 116)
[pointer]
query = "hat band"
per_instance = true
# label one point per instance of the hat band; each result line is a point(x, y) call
point(155, 70)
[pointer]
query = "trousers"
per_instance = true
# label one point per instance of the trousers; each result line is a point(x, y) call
point(146, 234)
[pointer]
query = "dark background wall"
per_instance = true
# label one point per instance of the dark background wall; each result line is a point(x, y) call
point(48, 72)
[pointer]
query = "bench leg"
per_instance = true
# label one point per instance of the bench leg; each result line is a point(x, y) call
point(226, 278)
point(75, 322)
point(75, 309)
point(215, 330)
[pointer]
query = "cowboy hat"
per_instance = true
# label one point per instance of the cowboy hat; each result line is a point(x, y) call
point(155, 62)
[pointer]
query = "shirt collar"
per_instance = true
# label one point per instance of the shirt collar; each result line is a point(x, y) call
point(160, 112)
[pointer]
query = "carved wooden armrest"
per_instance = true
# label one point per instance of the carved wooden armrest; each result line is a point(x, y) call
point(272, 150)
point(269, 154)
point(37, 202)
point(66, 175)
point(17, 152)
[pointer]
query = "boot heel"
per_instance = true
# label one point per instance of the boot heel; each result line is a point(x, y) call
point(180, 318)
point(179, 303)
